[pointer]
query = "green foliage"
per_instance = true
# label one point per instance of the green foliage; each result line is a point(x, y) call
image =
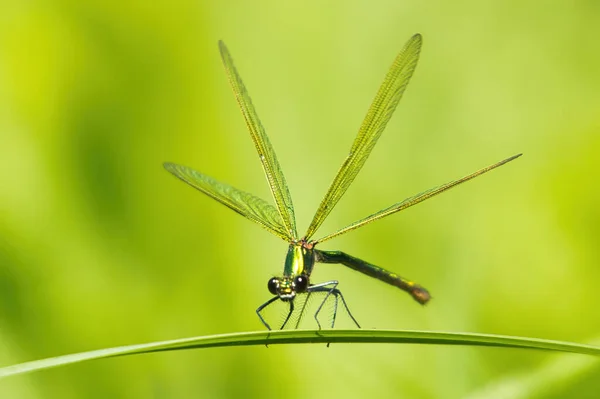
point(271, 338)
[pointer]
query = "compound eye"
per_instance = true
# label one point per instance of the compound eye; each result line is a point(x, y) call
point(300, 283)
point(273, 285)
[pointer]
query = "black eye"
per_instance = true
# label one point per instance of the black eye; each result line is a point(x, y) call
point(273, 285)
point(300, 283)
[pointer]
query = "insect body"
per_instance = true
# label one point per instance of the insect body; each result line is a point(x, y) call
point(280, 220)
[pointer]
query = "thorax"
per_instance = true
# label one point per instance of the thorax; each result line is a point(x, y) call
point(300, 259)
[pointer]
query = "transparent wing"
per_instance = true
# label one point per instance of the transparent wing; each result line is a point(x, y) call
point(273, 171)
point(379, 114)
point(245, 204)
point(414, 200)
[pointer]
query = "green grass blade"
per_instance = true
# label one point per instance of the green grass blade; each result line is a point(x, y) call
point(268, 159)
point(559, 377)
point(381, 110)
point(308, 337)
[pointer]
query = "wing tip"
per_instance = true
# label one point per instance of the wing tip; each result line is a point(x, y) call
point(513, 157)
point(417, 40)
point(223, 49)
point(170, 167)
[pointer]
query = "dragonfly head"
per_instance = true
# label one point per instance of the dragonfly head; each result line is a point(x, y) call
point(286, 288)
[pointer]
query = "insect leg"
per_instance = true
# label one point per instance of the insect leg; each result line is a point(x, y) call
point(323, 287)
point(261, 307)
point(289, 314)
point(302, 311)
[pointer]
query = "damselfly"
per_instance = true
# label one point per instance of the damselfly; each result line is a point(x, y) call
point(279, 219)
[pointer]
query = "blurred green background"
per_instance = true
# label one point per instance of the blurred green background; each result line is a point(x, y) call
point(100, 247)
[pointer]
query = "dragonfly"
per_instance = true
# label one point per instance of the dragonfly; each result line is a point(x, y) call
point(302, 254)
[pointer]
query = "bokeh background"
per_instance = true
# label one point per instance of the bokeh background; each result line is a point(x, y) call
point(100, 247)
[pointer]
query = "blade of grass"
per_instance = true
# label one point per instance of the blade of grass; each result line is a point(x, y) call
point(307, 337)
point(559, 377)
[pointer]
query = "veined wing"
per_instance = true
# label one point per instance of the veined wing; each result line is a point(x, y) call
point(414, 200)
point(273, 171)
point(244, 203)
point(379, 114)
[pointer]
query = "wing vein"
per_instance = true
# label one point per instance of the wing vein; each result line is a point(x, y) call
point(246, 204)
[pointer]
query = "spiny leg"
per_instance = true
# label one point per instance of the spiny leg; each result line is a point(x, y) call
point(330, 291)
point(323, 287)
point(338, 292)
point(289, 314)
point(302, 311)
point(335, 308)
point(261, 307)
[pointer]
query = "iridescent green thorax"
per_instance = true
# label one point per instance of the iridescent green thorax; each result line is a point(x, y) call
point(300, 259)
